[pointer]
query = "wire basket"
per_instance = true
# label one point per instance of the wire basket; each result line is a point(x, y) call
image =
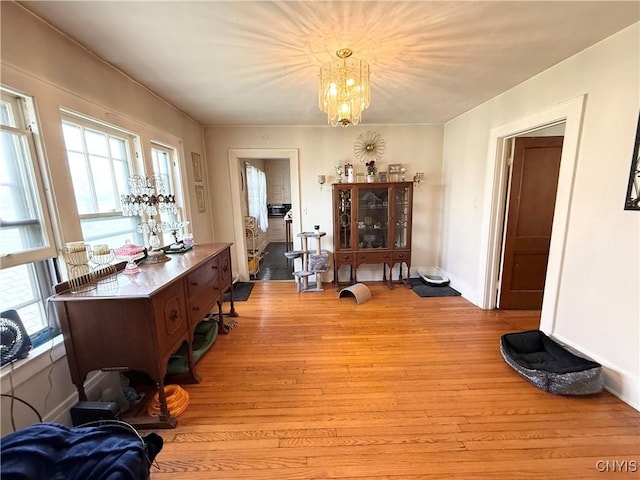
point(104, 270)
point(81, 275)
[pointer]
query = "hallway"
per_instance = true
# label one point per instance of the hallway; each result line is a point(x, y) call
point(274, 265)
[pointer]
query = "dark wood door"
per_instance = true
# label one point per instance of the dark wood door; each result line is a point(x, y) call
point(532, 197)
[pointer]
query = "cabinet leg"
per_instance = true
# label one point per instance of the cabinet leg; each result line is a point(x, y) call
point(162, 399)
point(191, 376)
point(388, 282)
point(165, 419)
point(232, 311)
point(79, 383)
point(222, 328)
point(406, 280)
point(232, 307)
point(82, 395)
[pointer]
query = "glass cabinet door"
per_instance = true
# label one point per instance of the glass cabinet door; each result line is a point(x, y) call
point(343, 219)
point(402, 216)
point(373, 217)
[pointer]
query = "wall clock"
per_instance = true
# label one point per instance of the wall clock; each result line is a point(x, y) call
point(369, 146)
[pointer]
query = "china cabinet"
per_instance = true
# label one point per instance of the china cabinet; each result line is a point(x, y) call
point(372, 224)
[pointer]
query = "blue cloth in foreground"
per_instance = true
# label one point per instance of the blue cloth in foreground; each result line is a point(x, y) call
point(112, 451)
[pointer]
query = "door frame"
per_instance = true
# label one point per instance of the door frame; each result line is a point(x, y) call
point(510, 203)
point(496, 183)
point(235, 157)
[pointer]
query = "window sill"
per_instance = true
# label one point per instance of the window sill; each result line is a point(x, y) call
point(39, 359)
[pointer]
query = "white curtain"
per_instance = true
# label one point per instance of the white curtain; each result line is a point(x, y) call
point(257, 195)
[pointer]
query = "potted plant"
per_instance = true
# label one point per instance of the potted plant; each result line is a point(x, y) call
point(371, 171)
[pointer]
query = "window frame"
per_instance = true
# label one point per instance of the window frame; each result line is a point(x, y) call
point(134, 166)
point(26, 121)
point(176, 185)
point(38, 261)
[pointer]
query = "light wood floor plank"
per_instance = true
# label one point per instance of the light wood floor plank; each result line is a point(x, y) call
point(312, 387)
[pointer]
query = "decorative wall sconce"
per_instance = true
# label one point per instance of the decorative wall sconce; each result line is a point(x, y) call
point(321, 180)
point(417, 178)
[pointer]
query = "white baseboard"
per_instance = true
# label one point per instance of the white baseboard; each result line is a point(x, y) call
point(468, 292)
point(617, 381)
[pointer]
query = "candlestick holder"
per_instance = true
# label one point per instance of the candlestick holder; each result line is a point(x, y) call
point(149, 197)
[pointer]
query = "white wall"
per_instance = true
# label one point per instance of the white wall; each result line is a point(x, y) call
point(60, 73)
point(598, 309)
point(39, 61)
point(417, 147)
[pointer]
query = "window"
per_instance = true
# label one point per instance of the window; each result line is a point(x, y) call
point(161, 159)
point(25, 228)
point(102, 159)
point(25, 288)
point(100, 162)
point(26, 243)
point(257, 195)
point(163, 165)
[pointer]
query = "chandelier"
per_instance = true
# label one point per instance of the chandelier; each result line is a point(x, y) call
point(344, 89)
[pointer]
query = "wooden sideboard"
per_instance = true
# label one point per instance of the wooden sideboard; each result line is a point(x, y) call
point(136, 322)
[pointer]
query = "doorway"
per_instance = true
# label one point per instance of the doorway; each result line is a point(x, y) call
point(534, 166)
point(570, 113)
point(274, 265)
point(237, 159)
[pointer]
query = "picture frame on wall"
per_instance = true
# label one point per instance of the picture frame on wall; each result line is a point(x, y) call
point(197, 166)
point(200, 198)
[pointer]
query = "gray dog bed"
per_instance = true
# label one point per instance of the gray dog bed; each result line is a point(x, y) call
point(549, 365)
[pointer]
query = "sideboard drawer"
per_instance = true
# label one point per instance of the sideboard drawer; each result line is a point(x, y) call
point(204, 278)
point(202, 303)
point(402, 257)
point(343, 257)
point(373, 257)
point(171, 319)
point(224, 260)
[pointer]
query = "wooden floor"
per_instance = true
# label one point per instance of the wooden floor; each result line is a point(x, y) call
point(310, 386)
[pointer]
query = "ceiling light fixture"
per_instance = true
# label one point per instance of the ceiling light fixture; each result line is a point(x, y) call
point(344, 89)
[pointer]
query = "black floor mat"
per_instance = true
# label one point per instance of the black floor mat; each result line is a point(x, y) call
point(241, 292)
point(424, 290)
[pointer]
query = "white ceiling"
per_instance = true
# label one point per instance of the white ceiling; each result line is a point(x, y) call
point(257, 63)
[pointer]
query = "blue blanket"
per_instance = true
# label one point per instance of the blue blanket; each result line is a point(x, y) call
point(112, 451)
